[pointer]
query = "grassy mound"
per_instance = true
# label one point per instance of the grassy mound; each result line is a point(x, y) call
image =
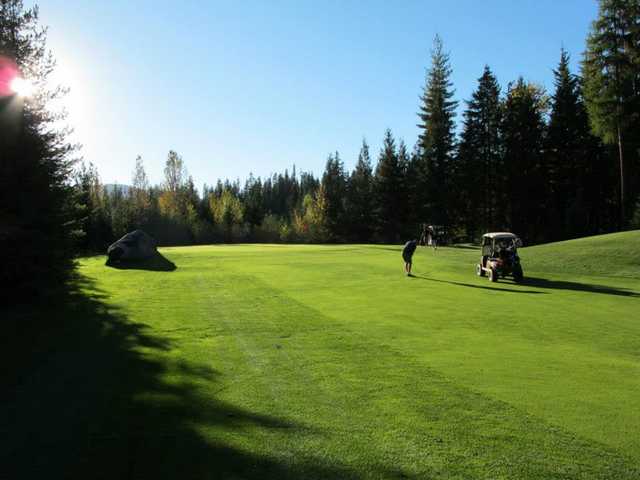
point(616, 254)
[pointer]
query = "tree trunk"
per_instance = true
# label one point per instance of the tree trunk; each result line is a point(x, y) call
point(621, 158)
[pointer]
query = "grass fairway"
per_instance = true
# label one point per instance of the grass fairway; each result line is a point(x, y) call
point(326, 362)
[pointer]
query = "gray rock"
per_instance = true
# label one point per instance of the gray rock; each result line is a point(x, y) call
point(136, 245)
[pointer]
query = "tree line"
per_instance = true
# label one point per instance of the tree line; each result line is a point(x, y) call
point(546, 165)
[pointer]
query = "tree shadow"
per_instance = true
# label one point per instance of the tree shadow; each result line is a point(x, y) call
point(157, 263)
point(89, 395)
point(578, 287)
point(469, 285)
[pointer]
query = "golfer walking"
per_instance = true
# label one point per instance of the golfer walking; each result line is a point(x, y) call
point(407, 255)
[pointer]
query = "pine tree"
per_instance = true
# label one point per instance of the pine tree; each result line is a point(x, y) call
point(253, 202)
point(437, 138)
point(569, 149)
point(334, 187)
point(611, 69)
point(308, 184)
point(479, 159)
point(389, 190)
point(360, 189)
point(525, 173)
point(407, 226)
point(38, 210)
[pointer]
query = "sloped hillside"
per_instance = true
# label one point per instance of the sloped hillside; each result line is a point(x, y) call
point(615, 254)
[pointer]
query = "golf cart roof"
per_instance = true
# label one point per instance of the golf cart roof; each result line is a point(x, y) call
point(500, 235)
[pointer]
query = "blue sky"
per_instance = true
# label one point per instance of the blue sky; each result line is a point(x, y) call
point(257, 86)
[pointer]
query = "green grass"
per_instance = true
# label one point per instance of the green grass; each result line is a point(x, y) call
point(326, 362)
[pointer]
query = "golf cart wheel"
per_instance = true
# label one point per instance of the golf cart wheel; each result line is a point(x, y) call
point(479, 270)
point(493, 275)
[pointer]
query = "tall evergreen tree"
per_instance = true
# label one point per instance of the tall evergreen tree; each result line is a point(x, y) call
point(407, 226)
point(360, 190)
point(437, 137)
point(525, 173)
point(253, 202)
point(480, 158)
point(308, 185)
point(611, 69)
point(571, 152)
point(415, 190)
point(389, 190)
point(334, 187)
point(38, 210)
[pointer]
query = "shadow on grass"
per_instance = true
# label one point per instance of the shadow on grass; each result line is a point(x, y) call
point(578, 287)
point(157, 263)
point(85, 393)
point(461, 284)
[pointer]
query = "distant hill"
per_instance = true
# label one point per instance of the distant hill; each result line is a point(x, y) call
point(615, 254)
point(109, 188)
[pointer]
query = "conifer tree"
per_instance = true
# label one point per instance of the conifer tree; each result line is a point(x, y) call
point(334, 187)
point(479, 158)
point(611, 69)
point(360, 189)
point(407, 227)
point(437, 137)
point(414, 190)
point(38, 209)
point(525, 174)
point(388, 191)
point(253, 202)
point(570, 152)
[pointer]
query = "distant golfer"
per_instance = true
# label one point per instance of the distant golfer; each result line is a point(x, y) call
point(433, 237)
point(407, 255)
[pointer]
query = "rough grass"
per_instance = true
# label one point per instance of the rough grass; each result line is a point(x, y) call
point(326, 362)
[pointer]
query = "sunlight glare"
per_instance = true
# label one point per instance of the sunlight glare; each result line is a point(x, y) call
point(22, 87)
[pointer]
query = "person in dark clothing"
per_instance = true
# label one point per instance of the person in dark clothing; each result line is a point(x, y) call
point(407, 255)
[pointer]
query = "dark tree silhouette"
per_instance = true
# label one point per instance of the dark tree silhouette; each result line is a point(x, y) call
point(360, 192)
point(480, 153)
point(38, 211)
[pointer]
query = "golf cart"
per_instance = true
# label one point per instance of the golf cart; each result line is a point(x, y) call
point(500, 256)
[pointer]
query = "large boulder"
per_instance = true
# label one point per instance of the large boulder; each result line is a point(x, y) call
point(136, 245)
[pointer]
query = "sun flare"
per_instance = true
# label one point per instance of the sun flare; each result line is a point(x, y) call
point(22, 87)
